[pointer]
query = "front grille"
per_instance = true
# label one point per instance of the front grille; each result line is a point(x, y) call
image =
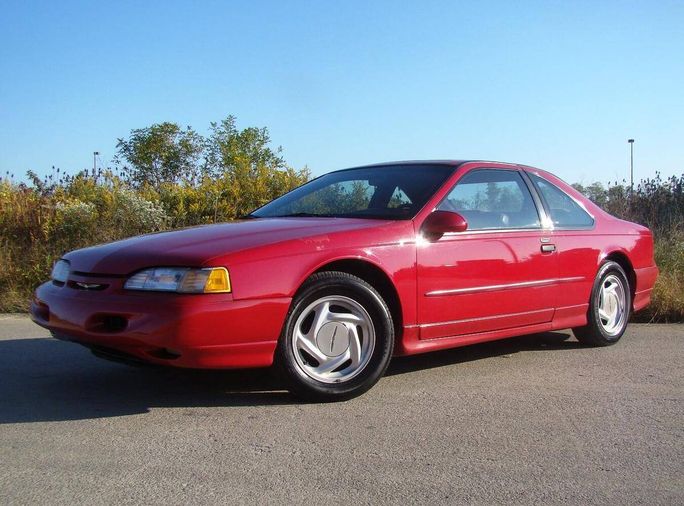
point(81, 285)
point(97, 275)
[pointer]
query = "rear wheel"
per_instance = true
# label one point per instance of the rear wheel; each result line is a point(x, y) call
point(337, 340)
point(609, 307)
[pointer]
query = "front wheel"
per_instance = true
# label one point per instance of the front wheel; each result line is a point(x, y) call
point(609, 307)
point(337, 340)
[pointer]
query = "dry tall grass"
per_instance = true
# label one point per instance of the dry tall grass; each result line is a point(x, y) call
point(659, 204)
point(40, 222)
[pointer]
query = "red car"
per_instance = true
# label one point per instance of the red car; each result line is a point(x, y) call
point(333, 278)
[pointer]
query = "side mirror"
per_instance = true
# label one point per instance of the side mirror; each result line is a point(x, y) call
point(441, 222)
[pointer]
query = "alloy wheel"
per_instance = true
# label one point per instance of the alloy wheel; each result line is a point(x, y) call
point(333, 339)
point(612, 305)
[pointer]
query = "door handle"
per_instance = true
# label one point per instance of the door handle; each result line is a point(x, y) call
point(548, 248)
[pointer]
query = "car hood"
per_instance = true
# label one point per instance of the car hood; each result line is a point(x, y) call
point(198, 245)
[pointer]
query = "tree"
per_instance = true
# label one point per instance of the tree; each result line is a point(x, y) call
point(250, 173)
point(595, 192)
point(222, 176)
point(161, 153)
point(228, 148)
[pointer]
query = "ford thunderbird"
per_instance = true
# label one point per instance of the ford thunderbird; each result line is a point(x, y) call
point(332, 279)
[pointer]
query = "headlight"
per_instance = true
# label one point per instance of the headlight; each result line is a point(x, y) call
point(60, 271)
point(181, 279)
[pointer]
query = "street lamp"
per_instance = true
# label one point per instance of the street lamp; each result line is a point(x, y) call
point(631, 164)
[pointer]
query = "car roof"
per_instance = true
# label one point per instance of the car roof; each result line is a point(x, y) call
point(452, 163)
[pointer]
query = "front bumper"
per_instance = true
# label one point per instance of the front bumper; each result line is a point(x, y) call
point(182, 330)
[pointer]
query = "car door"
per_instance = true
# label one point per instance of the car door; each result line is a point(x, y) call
point(501, 272)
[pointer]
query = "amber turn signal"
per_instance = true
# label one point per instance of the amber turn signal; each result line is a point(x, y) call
point(218, 281)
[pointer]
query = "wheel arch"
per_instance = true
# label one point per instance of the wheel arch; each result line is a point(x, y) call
point(620, 258)
point(373, 275)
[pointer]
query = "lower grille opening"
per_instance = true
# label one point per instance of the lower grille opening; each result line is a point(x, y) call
point(107, 323)
point(164, 354)
point(115, 355)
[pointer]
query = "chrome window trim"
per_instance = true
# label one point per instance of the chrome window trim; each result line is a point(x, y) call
point(546, 206)
point(545, 218)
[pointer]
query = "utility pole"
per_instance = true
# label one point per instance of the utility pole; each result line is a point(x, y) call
point(631, 164)
point(95, 155)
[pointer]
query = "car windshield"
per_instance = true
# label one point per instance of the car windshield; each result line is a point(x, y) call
point(390, 192)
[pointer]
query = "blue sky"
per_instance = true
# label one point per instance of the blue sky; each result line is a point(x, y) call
point(560, 85)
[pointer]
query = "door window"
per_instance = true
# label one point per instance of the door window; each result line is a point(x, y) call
point(493, 199)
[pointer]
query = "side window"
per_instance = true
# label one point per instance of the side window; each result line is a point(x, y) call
point(563, 210)
point(493, 199)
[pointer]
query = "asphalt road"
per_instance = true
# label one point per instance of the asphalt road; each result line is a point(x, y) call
point(537, 419)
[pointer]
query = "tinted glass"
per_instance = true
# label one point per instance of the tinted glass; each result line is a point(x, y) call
point(493, 199)
point(392, 192)
point(563, 210)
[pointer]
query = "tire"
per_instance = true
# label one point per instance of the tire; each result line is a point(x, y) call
point(609, 307)
point(337, 340)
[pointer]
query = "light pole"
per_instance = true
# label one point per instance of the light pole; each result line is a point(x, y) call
point(631, 164)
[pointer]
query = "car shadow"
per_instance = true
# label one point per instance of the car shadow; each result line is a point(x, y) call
point(49, 380)
point(533, 342)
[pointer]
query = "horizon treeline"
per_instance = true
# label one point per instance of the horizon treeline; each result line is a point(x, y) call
point(167, 176)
